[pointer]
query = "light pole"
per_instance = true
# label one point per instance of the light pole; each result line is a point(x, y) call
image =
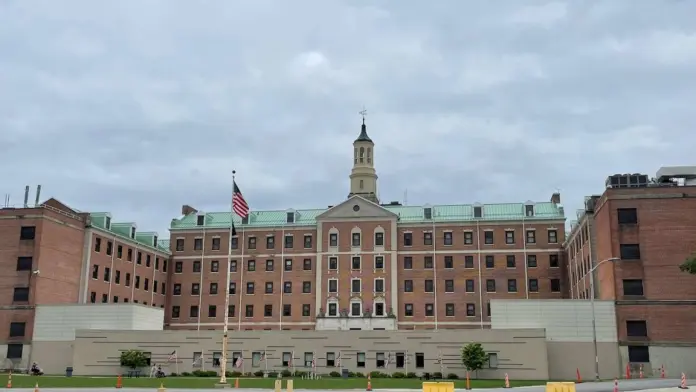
point(594, 320)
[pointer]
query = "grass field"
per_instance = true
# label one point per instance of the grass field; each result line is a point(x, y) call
point(23, 381)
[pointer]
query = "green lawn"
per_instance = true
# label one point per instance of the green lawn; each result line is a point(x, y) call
point(23, 381)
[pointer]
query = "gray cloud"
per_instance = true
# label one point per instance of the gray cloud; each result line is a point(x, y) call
point(138, 107)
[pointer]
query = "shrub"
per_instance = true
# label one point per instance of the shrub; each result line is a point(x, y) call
point(133, 359)
point(452, 376)
point(286, 373)
point(186, 374)
point(411, 375)
point(300, 373)
point(437, 375)
point(398, 375)
point(173, 375)
point(204, 373)
point(273, 374)
point(258, 373)
point(232, 374)
point(359, 375)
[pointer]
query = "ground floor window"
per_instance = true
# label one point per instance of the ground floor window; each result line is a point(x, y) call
point(15, 351)
point(639, 354)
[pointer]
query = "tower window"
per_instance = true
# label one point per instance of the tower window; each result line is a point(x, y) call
point(369, 155)
point(428, 213)
point(362, 154)
point(355, 155)
point(362, 184)
point(290, 218)
point(478, 212)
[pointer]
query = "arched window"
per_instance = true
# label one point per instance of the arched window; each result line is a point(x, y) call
point(362, 184)
point(355, 155)
point(369, 155)
point(362, 154)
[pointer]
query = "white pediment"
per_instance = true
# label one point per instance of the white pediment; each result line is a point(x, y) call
point(357, 207)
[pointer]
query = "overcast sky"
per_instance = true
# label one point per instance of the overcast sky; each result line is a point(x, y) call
point(137, 107)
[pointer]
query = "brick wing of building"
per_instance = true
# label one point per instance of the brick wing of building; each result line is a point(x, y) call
point(361, 264)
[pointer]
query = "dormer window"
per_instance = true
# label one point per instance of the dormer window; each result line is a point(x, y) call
point(529, 210)
point(132, 232)
point(290, 218)
point(428, 213)
point(154, 241)
point(107, 224)
point(245, 220)
point(200, 220)
point(478, 212)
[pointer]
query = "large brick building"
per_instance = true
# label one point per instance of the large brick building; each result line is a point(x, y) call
point(52, 254)
point(650, 226)
point(361, 264)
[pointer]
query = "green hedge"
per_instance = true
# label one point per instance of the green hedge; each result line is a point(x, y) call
point(287, 374)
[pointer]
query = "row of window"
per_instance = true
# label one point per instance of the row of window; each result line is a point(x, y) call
point(116, 299)
point(194, 311)
point(117, 280)
point(470, 285)
point(288, 243)
point(213, 288)
point(449, 310)
point(251, 266)
point(129, 254)
point(378, 264)
point(488, 237)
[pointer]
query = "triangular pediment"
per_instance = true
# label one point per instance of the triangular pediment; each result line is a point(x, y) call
point(357, 207)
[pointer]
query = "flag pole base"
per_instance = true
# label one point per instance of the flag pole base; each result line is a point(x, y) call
point(222, 386)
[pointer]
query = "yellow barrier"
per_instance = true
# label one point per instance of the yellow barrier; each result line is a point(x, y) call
point(560, 387)
point(278, 385)
point(438, 387)
point(289, 386)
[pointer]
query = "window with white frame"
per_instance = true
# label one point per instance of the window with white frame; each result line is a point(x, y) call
point(333, 285)
point(355, 286)
point(355, 239)
point(379, 262)
point(379, 285)
point(379, 308)
point(379, 238)
point(355, 263)
point(355, 308)
point(333, 239)
point(333, 263)
point(332, 309)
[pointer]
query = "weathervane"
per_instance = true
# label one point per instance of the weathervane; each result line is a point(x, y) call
point(363, 113)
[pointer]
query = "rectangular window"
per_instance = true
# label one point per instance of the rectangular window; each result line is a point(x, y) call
point(639, 354)
point(17, 329)
point(629, 251)
point(270, 242)
point(447, 239)
point(627, 216)
point(449, 286)
point(287, 265)
point(21, 294)
point(251, 243)
point(233, 266)
point(355, 242)
point(308, 242)
point(379, 239)
point(333, 285)
point(490, 261)
point(109, 248)
point(449, 262)
point(427, 238)
point(470, 310)
point(470, 286)
point(469, 262)
point(633, 287)
point(408, 286)
point(333, 240)
point(379, 285)
point(533, 285)
point(428, 262)
point(553, 236)
point(379, 262)
point(214, 266)
point(429, 286)
point(287, 310)
point(307, 264)
point(176, 311)
point(531, 261)
point(306, 310)
point(196, 266)
point(429, 310)
point(408, 239)
point(198, 244)
point(355, 285)
point(193, 311)
point(251, 265)
point(195, 288)
point(333, 263)
point(97, 244)
point(28, 233)
point(216, 243)
point(408, 262)
point(179, 245)
point(178, 267)
point(555, 285)
point(468, 238)
point(531, 237)
point(269, 265)
point(490, 285)
point(553, 261)
point(307, 287)
point(449, 310)
point(488, 237)
point(510, 261)
point(289, 241)
point(360, 360)
point(249, 311)
point(408, 310)
point(212, 311)
point(234, 243)
point(509, 237)
point(250, 288)
point(420, 360)
point(232, 290)
point(15, 351)
point(636, 328)
point(355, 262)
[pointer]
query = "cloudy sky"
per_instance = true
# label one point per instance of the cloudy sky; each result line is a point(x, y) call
point(137, 107)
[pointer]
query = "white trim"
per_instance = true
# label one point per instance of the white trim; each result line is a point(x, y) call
point(351, 286)
point(332, 231)
point(442, 322)
point(328, 263)
point(353, 256)
point(328, 286)
point(374, 263)
point(384, 286)
point(381, 300)
point(331, 301)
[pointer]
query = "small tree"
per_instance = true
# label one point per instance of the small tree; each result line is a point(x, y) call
point(689, 265)
point(474, 357)
point(133, 359)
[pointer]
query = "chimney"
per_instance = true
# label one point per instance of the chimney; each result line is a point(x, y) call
point(38, 194)
point(187, 210)
point(556, 198)
point(26, 196)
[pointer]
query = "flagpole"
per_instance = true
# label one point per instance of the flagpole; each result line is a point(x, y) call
point(177, 362)
point(265, 358)
point(223, 361)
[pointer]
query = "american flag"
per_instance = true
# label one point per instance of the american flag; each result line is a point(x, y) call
point(263, 356)
point(439, 358)
point(239, 362)
point(338, 360)
point(389, 359)
point(172, 356)
point(314, 360)
point(239, 205)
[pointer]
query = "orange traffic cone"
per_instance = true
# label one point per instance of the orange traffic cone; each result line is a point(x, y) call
point(236, 382)
point(682, 385)
point(507, 381)
point(662, 372)
point(9, 381)
point(369, 383)
point(36, 388)
point(616, 385)
point(119, 382)
point(578, 379)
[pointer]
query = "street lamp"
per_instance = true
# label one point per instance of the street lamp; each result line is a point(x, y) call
point(594, 320)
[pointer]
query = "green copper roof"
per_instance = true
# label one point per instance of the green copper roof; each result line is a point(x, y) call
point(121, 230)
point(407, 214)
point(363, 134)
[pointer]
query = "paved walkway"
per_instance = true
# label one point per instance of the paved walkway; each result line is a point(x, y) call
point(624, 385)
